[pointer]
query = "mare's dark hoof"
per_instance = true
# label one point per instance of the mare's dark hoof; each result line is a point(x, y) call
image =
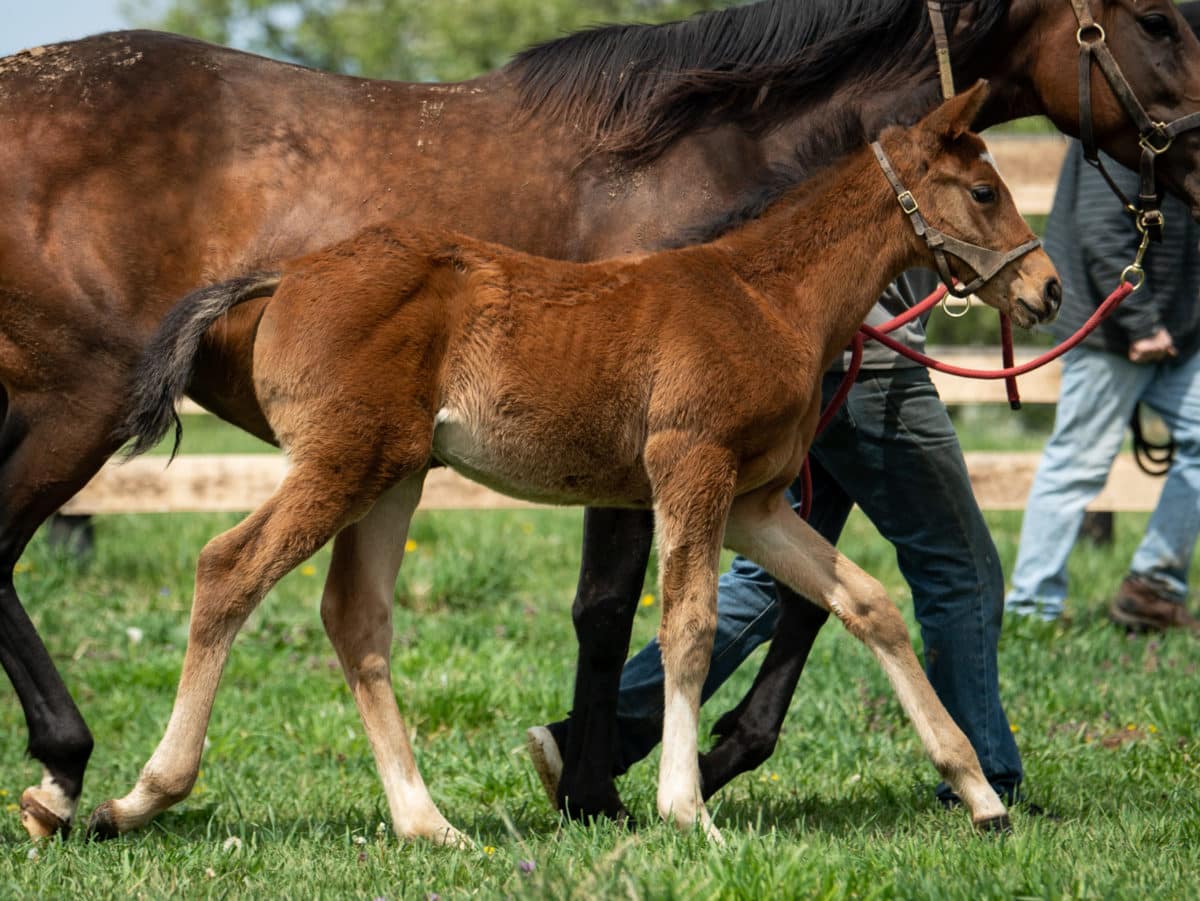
point(1000, 825)
point(39, 821)
point(611, 809)
point(103, 825)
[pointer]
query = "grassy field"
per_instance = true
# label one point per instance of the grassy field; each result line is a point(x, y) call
point(289, 805)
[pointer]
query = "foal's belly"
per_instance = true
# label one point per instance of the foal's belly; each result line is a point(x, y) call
point(543, 456)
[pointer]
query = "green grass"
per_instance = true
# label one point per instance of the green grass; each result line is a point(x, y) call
point(484, 647)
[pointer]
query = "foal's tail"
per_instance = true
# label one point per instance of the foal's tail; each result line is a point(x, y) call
point(166, 366)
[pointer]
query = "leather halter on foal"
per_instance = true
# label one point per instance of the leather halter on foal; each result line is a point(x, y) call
point(984, 261)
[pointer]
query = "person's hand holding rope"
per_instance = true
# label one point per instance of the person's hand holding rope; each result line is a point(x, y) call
point(1154, 348)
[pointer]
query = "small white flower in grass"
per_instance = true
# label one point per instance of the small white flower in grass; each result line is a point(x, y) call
point(232, 844)
point(381, 829)
point(210, 872)
point(360, 839)
point(135, 635)
point(32, 854)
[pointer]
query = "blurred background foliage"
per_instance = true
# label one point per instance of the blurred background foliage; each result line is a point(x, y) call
point(414, 40)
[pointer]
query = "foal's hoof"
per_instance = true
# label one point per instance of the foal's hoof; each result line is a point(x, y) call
point(39, 820)
point(103, 824)
point(1000, 825)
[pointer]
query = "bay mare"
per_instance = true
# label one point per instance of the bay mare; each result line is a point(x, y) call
point(136, 166)
point(685, 382)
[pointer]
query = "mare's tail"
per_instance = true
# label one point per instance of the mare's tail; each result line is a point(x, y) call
point(166, 366)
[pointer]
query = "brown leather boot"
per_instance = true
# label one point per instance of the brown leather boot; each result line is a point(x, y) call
point(1141, 606)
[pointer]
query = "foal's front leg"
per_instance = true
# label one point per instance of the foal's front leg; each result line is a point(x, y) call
point(763, 527)
point(693, 488)
point(234, 572)
point(357, 612)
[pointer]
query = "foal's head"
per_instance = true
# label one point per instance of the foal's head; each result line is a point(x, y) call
point(954, 181)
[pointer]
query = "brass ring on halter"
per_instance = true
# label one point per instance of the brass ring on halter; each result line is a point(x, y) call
point(1094, 28)
point(960, 308)
point(1160, 130)
point(1134, 275)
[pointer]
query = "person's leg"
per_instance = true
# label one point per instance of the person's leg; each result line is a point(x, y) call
point(1099, 391)
point(904, 467)
point(1165, 553)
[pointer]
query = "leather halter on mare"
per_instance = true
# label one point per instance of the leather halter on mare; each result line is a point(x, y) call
point(1154, 137)
point(984, 261)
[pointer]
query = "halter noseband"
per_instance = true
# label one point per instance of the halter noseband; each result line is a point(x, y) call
point(985, 262)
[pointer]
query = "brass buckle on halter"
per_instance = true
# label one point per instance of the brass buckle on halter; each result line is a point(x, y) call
point(1095, 28)
point(1160, 131)
point(908, 203)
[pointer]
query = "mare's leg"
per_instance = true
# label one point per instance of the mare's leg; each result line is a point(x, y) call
point(48, 451)
point(357, 612)
point(693, 489)
point(750, 731)
point(616, 549)
point(763, 527)
point(318, 498)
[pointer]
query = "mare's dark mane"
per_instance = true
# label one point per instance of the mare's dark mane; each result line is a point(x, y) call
point(635, 89)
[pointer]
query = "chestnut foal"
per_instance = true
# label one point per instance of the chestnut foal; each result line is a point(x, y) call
point(686, 381)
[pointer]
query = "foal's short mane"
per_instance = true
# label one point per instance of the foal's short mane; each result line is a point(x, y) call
point(635, 89)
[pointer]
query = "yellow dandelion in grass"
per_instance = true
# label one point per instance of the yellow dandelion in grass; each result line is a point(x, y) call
point(1014, 728)
point(12, 808)
point(647, 600)
point(23, 567)
point(308, 570)
point(3, 792)
point(410, 546)
point(1152, 729)
point(774, 777)
point(1130, 727)
point(489, 850)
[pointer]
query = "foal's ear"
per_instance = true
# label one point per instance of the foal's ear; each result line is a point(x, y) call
point(953, 118)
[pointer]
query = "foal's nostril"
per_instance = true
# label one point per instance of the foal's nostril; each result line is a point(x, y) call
point(1053, 293)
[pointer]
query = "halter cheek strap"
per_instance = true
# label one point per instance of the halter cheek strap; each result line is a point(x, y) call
point(983, 261)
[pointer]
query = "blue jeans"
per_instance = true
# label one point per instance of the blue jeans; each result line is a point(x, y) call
point(1099, 392)
point(892, 450)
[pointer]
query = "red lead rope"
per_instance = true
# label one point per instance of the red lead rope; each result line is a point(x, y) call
point(1009, 373)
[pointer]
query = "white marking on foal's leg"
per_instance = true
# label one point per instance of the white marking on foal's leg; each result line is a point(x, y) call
point(679, 797)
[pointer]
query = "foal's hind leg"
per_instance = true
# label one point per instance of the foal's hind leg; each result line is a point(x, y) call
point(235, 570)
point(357, 612)
point(764, 528)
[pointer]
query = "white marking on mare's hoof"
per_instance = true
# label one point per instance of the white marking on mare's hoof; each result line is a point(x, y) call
point(547, 760)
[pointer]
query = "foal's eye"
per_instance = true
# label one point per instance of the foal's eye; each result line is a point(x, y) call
point(1156, 25)
point(983, 194)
